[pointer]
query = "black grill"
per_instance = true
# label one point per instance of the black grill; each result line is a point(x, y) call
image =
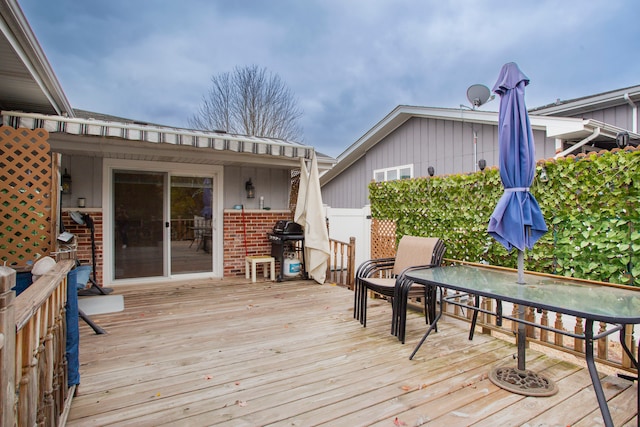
point(284, 239)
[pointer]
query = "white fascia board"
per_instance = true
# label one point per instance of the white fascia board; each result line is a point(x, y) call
point(557, 126)
point(574, 128)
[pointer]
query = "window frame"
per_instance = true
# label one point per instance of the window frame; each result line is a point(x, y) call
point(396, 169)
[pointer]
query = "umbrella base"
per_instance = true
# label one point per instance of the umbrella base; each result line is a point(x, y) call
point(525, 382)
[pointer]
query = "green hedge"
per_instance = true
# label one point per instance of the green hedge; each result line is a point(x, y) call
point(590, 204)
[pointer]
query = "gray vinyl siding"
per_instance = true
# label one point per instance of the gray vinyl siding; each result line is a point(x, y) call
point(446, 145)
point(620, 116)
point(272, 184)
point(349, 190)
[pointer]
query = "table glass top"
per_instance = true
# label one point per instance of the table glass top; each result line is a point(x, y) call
point(600, 303)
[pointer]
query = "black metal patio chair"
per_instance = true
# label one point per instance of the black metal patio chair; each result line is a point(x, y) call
point(385, 276)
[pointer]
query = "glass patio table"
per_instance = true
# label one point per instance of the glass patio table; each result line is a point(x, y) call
point(615, 305)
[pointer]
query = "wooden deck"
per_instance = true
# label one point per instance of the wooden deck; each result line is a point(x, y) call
point(228, 352)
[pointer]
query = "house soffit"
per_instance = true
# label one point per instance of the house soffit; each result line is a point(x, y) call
point(27, 81)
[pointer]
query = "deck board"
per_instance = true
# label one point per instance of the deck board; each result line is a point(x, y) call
point(232, 352)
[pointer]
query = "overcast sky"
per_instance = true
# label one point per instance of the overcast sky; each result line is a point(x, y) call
point(348, 62)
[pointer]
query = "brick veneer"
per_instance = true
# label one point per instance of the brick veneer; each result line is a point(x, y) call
point(258, 223)
point(83, 235)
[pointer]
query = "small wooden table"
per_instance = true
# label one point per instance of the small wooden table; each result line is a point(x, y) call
point(252, 261)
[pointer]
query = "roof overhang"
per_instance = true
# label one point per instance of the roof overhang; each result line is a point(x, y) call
point(578, 129)
point(555, 127)
point(591, 134)
point(589, 103)
point(96, 138)
point(27, 81)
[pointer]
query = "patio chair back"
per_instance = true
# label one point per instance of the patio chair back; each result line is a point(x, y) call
point(414, 251)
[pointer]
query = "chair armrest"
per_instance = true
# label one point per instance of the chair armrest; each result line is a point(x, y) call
point(415, 267)
point(370, 267)
point(403, 280)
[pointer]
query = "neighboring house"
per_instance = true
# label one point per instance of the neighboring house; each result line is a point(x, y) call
point(164, 201)
point(617, 108)
point(412, 141)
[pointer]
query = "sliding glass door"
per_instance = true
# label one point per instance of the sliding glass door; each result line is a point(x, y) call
point(138, 201)
point(162, 224)
point(191, 224)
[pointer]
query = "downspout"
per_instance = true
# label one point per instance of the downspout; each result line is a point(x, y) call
point(594, 135)
point(475, 151)
point(634, 113)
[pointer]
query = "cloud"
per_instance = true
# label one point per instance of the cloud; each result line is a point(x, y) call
point(349, 63)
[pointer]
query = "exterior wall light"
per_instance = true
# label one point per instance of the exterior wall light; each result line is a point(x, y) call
point(482, 163)
point(251, 190)
point(622, 139)
point(431, 170)
point(66, 183)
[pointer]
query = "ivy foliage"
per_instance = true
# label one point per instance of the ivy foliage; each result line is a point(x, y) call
point(590, 204)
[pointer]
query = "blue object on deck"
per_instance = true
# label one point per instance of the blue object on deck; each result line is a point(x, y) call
point(73, 328)
point(23, 281)
point(82, 276)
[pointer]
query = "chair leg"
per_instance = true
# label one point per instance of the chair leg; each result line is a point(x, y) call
point(406, 289)
point(402, 305)
point(398, 307)
point(356, 299)
point(363, 306)
point(360, 303)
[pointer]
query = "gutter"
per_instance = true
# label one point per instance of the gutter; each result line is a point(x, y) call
point(634, 113)
point(594, 135)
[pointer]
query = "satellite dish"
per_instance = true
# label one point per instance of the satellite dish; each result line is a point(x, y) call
point(478, 95)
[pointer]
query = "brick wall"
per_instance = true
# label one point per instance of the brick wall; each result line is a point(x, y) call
point(258, 223)
point(83, 236)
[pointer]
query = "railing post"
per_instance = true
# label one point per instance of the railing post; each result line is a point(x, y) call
point(578, 345)
point(351, 259)
point(7, 347)
point(603, 343)
point(487, 304)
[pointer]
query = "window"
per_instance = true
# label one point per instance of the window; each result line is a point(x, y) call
point(390, 174)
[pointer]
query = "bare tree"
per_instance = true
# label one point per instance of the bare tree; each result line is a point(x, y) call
point(249, 101)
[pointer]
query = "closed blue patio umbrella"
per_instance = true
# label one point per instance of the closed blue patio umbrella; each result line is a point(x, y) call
point(517, 221)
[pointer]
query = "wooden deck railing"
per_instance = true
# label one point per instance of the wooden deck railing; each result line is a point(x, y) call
point(341, 268)
point(33, 380)
point(604, 351)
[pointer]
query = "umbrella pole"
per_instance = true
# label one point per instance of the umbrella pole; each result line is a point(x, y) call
point(519, 380)
point(522, 339)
